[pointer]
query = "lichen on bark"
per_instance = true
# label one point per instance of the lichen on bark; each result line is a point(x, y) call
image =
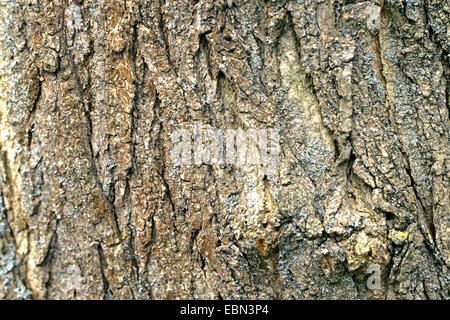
point(92, 207)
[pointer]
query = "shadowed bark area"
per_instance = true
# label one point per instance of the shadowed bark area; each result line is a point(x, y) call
point(93, 207)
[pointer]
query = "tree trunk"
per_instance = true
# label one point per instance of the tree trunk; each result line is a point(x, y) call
point(93, 205)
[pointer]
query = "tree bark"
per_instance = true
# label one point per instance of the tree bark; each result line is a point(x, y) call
point(93, 207)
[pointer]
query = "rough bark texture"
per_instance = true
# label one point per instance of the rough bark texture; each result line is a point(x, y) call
point(92, 207)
